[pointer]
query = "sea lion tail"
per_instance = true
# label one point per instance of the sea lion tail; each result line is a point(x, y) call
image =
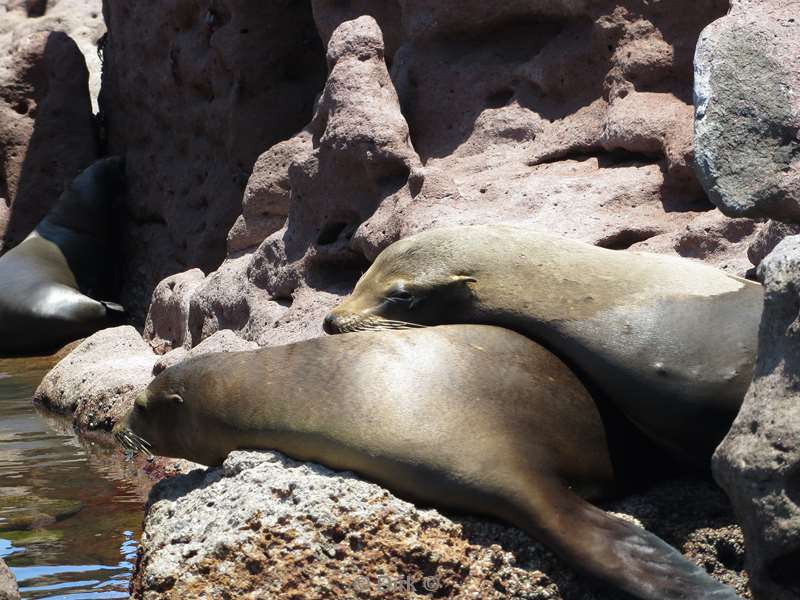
point(620, 554)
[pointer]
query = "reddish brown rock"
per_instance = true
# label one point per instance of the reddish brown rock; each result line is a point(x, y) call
point(556, 131)
point(193, 93)
point(47, 131)
point(82, 20)
point(222, 341)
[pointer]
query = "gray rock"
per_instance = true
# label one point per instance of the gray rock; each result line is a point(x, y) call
point(769, 236)
point(99, 380)
point(747, 110)
point(758, 463)
point(8, 585)
point(265, 526)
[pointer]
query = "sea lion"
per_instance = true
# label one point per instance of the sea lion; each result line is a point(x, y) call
point(472, 418)
point(48, 281)
point(671, 341)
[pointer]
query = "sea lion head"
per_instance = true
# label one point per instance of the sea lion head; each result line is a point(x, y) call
point(414, 282)
point(167, 415)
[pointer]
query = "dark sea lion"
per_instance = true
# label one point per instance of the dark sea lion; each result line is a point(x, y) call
point(472, 418)
point(49, 281)
point(671, 341)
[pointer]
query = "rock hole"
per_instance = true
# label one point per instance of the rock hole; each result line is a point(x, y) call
point(499, 98)
point(730, 555)
point(622, 240)
point(331, 231)
point(21, 107)
point(36, 8)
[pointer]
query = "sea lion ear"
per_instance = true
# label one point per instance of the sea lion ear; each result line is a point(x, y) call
point(176, 398)
point(462, 279)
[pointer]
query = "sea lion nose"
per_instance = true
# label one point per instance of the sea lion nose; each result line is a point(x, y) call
point(330, 324)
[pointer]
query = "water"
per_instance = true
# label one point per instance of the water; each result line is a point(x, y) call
point(70, 509)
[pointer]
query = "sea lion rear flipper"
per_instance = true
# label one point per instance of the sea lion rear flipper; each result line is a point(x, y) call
point(116, 313)
point(621, 554)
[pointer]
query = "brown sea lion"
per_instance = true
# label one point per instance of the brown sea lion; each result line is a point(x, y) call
point(471, 418)
point(49, 281)
point(671, 341)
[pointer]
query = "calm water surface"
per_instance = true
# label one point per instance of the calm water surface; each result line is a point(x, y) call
point(70, 510)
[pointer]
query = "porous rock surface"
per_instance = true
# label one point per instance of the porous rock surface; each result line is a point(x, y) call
point(47, 133)
point(192, 93)
point(99, 380)
point(222, 341)
point(584, 130)
point(747, 123)
point(758, 463)
point(82, 20)
point(8, 585)
point(264, 526)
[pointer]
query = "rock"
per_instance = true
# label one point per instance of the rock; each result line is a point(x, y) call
point(374, 165)
point(166, 325)
point(8, 585)
point(279, 291)
point(747, 110)
point(318, 534)
point(222, 341)
point(758, 463)
point(47, 131)
point(768, 237)
point(82, 20)
point(99, 380)
point(713, 238)
point(193, 94)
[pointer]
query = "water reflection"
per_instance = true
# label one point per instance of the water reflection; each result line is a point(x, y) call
point(70, 509)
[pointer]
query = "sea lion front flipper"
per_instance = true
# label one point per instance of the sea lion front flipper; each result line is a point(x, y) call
point(618, 553)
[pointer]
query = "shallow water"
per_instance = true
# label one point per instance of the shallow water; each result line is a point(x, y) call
point(70, 509)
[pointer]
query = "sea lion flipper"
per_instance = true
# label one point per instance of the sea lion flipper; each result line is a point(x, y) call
point(115, 313)
point(622, 554)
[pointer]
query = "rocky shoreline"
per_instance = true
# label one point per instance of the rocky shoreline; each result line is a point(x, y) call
point(273, 150)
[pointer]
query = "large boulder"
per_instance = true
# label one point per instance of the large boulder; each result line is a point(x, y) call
point(82, 20)
point(193, 93)
point(584, 130)
point(47, 133)
point(758, 463)
point(747, 110)
point(99, 380)
point(265, 526)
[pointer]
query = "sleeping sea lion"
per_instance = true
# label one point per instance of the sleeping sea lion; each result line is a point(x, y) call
point(671, 341)
point(471, 418)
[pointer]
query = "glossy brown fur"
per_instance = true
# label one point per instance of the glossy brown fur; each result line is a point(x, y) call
point(471, 418)
point(670, 341)
point(51, 284)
